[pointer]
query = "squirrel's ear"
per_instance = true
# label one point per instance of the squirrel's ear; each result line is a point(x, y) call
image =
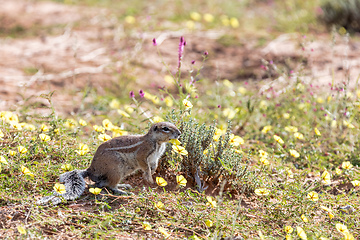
point(155, 128)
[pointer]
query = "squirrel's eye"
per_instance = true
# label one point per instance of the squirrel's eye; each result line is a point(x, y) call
point(166, 129)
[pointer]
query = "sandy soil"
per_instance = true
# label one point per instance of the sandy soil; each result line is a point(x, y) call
point(70, 47)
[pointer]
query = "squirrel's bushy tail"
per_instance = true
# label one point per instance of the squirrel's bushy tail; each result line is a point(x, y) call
point(74, 182)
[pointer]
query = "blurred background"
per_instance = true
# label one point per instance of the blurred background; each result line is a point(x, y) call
point(87, 51)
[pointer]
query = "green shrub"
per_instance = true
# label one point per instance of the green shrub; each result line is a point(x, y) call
point(342, 13)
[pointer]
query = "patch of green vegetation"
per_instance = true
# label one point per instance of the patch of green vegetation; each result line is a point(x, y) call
point(274, 160)
point(30, 70)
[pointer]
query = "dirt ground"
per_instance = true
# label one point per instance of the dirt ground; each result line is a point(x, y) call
point(65, 48)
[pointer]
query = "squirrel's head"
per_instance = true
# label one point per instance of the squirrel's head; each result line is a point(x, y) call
point(164, 131)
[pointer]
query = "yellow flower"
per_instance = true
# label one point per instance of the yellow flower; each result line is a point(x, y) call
point(146, 226)
point(338, 171)
point(157, 119)
point(294, 153)
point(9, 117)
point(95, 191)
point(130, 19)
point(107, 124)
point(29, 127)
point(175, 142)
point(70, 123)
point(225, 20)
point(266, 129)
point(317, 132)
point(82, 122)
point(208, 17)
point(12, 153)
point(159, 205)
point(187, 104)
point(118, 132)
point(114, 104)
point(288, 229)
point(304, 218)
point(299, 136)
point(67, 167)
point(16, 125)
point(278, 139)
point(1, 134)
point(320, 100)
point(195, 16)
point(44, 128)
point(161, 182)
point(262, 192)
point(234, 22)
point(348, 236)
point(180, 150)
point(59, 188)
point(163, 232)
point(288, 237)
point(346, 165)
point(26, 171)
point(104, 137)
point(56, 131)
point(22, 149)
point(261, 235)
point(348, 125)
point(291, 129)
point(181, 181)
point(341, 228)
point(83, 149)
point(263, 154)
point(3, 160)
point(290, 173)
point(227, 83)
point(325, 176)
point(242, 90)
point(44, 137)
point(21, 230)
point(190, 24)
point(264, 161)
point(286, 115)
point(123, 113)
point(168, 101)
point(217, 134)
point(98, 128)
point(236, 140)
point(229, 113)
point(355, 183)
point(211, 202)
point(301, 233)
point(209, 223)
point(313, 196)
point(333, 123)
point(129, 109)
point(329, 211)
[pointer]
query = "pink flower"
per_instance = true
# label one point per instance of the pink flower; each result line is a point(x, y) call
point(182, 43)
point(206, 53)
point(154, 42)
point(132, 94)
point(141, 93)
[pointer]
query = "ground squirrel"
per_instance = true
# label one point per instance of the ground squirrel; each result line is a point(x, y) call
point(116, 159)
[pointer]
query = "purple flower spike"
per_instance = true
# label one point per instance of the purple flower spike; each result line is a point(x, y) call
point(132, 94)
point(154, 42)
point(141, 93)
point(193, 62)
point(181, 50)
